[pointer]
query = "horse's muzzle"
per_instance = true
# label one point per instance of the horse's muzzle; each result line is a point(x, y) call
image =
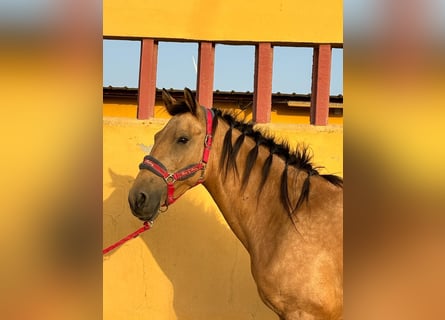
point(143, 205)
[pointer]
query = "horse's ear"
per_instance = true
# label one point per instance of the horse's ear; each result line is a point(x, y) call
point(113, 175)
point(191, 101)
point(169, 101)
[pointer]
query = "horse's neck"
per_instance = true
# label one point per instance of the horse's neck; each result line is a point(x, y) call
point(249, 214)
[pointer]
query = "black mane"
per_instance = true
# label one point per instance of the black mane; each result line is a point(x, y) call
point(299, 158)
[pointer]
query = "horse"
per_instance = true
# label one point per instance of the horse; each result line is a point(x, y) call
point(287, 215)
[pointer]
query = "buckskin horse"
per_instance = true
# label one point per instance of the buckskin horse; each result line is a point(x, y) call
point(287, 215)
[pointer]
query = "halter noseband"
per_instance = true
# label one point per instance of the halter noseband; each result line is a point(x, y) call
point(155, 166)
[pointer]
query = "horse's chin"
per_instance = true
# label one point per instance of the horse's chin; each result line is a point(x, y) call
point(150, 218)
point(148, 213)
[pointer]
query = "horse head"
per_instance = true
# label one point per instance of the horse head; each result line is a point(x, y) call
point(177, 160)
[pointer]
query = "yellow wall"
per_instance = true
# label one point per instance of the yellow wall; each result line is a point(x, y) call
point(128, 109)
point(189, 265)
point(226, 20)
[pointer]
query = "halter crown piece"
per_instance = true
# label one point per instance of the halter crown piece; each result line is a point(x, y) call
point(152, 164)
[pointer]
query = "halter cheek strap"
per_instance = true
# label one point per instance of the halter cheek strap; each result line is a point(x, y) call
point(152, 164)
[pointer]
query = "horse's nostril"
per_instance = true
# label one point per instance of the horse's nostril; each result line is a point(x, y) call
point(140, 200)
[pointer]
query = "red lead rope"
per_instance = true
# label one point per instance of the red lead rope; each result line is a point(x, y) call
point(145, 227)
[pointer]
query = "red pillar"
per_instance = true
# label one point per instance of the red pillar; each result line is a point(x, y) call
point(147, 78)
point(262, 97)
point(206, 67)
point(321, 80)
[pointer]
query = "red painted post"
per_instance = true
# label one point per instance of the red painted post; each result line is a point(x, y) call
point(147, 78)
point(206, 67)
point(262, 97)
point(321, 81)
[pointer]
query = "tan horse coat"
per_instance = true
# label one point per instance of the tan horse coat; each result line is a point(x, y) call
point(297, 264)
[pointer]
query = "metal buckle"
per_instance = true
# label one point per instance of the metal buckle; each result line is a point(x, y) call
point(208, 140)
point(170, 179)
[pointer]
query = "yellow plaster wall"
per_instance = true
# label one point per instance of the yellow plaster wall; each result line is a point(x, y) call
point(189, 265)
point(117, 108)
point(302, 21)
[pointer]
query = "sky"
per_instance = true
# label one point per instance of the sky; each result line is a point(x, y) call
point(234, 67)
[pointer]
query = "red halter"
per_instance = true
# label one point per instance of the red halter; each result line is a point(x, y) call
point(155, 166)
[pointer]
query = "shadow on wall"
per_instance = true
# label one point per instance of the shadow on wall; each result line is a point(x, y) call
point(206, 264)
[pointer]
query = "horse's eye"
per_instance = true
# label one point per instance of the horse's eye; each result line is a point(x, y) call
point(183, 140)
